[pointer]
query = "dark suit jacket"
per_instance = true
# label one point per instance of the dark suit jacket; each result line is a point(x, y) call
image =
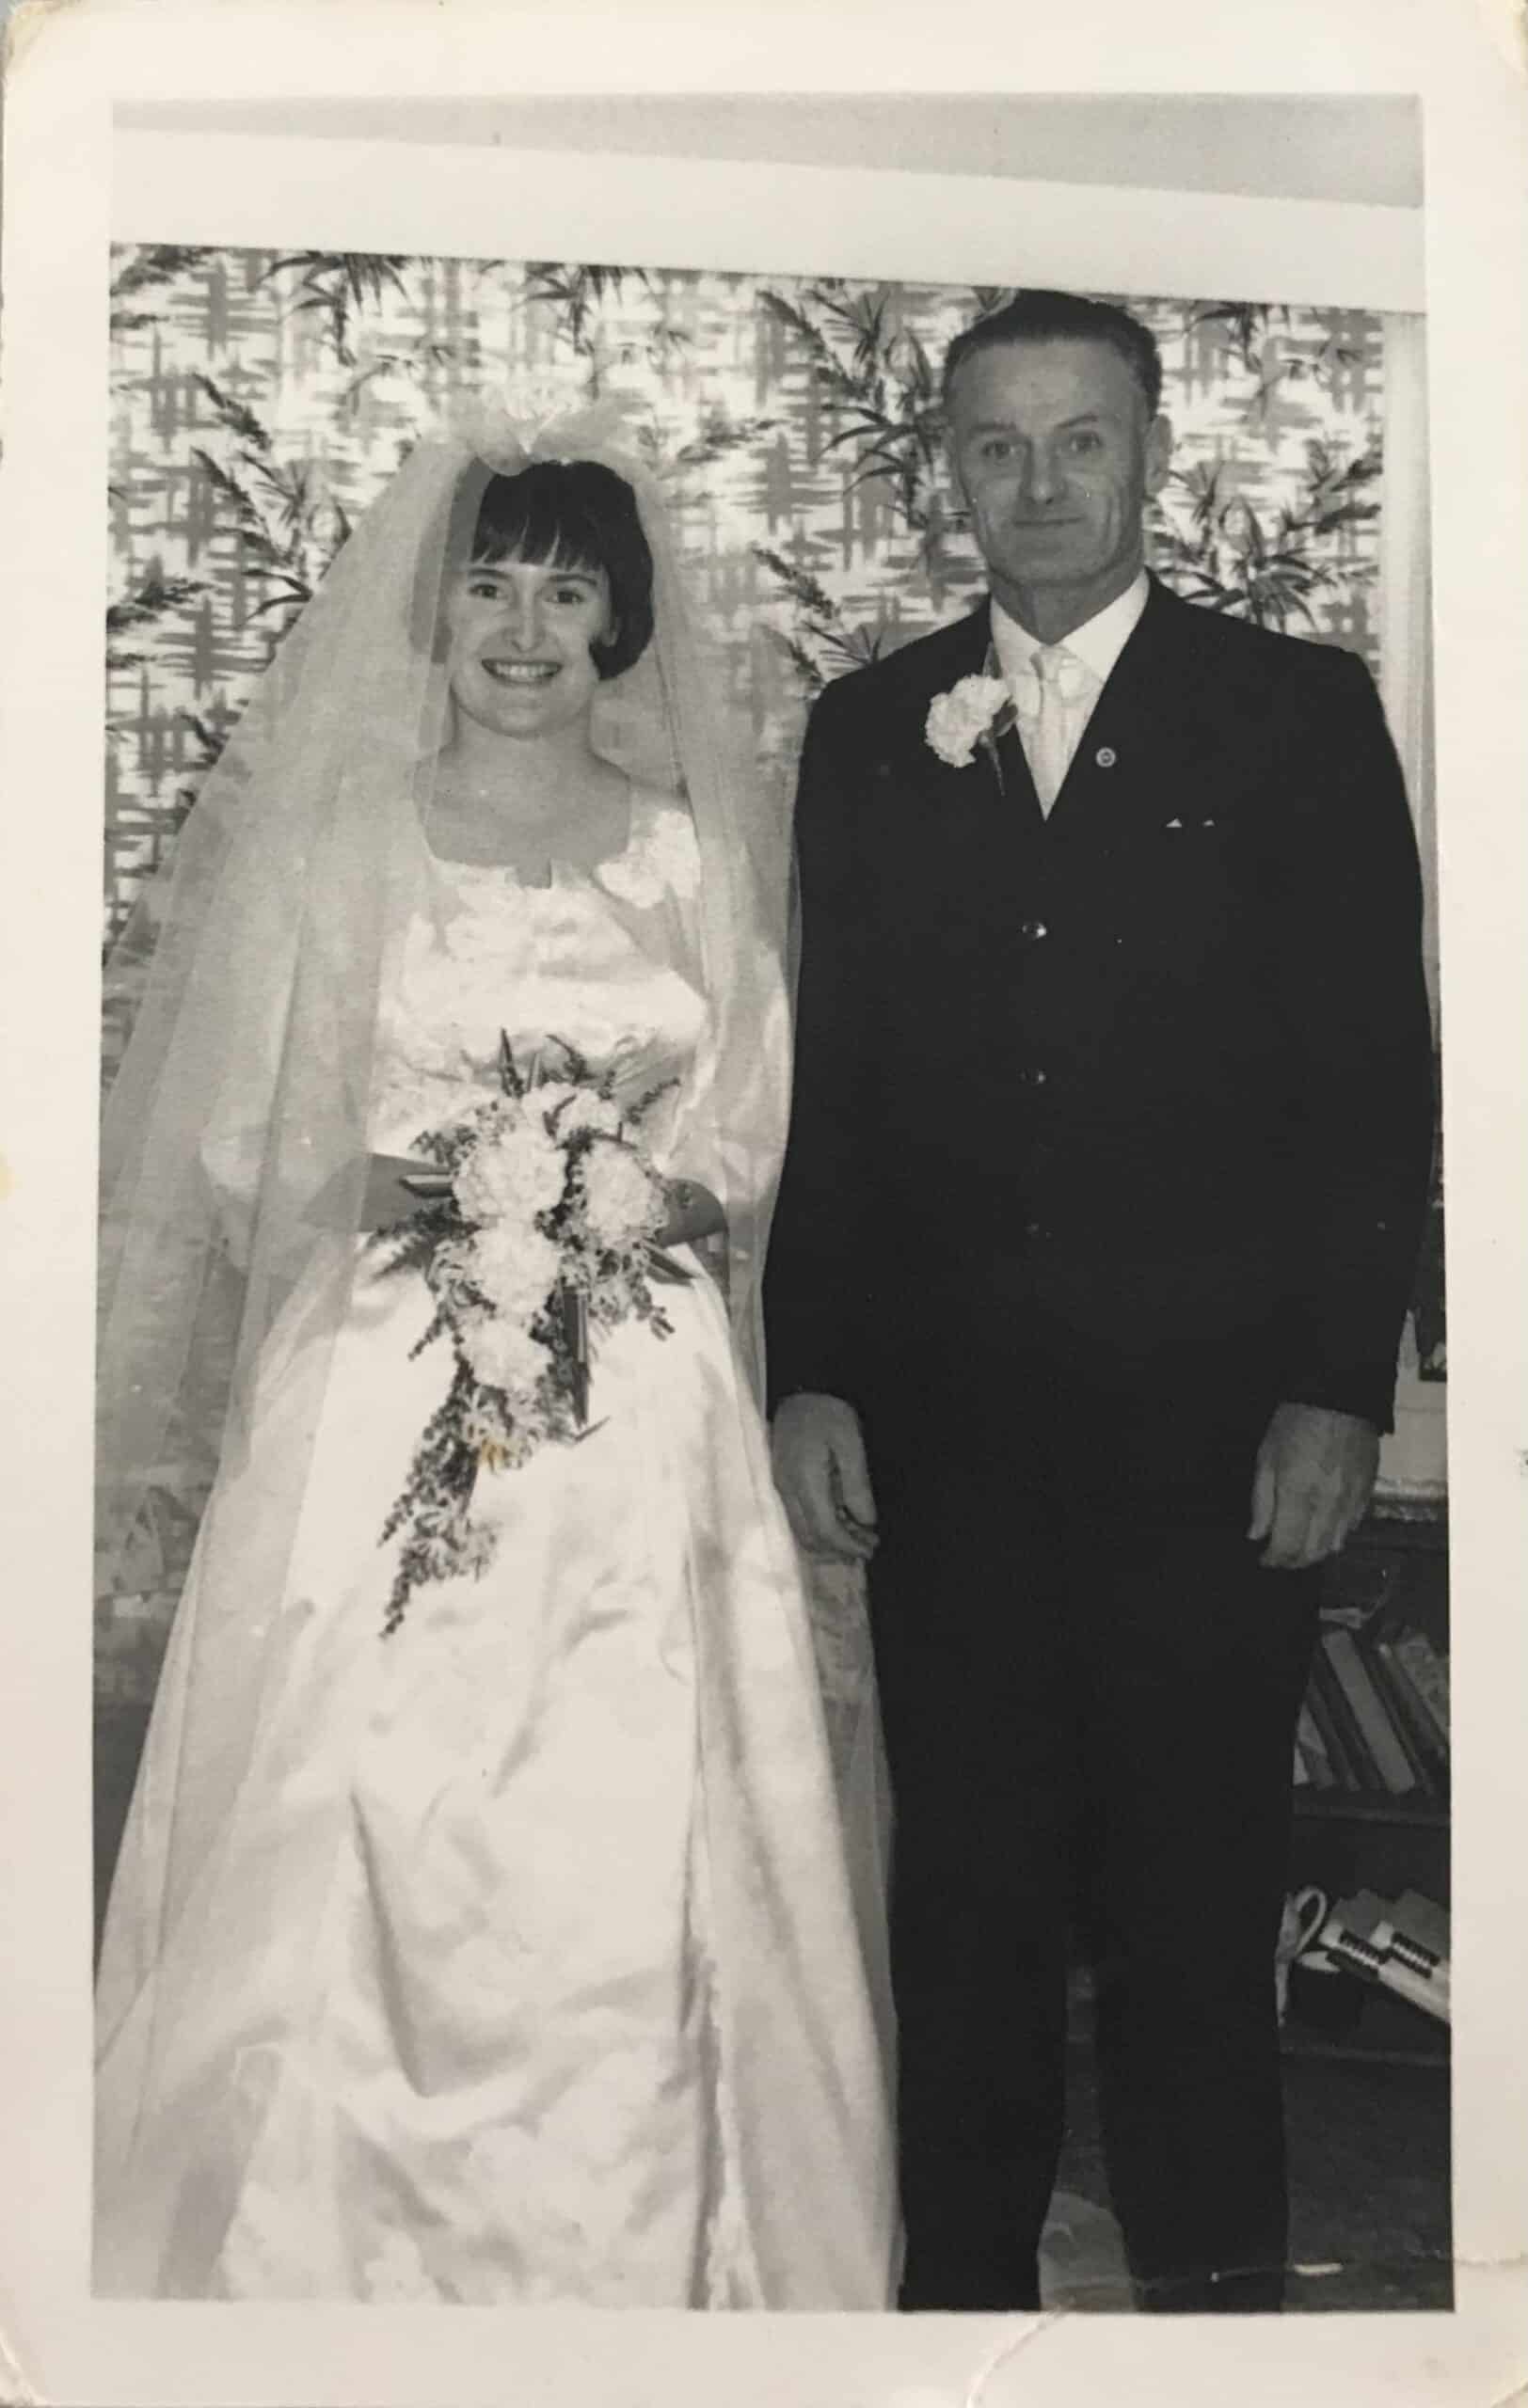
point(1158, 1068)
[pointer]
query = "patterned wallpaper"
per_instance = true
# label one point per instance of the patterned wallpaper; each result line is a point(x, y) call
point(259, 400)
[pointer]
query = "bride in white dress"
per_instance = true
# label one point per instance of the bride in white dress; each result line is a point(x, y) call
point(531, 1952)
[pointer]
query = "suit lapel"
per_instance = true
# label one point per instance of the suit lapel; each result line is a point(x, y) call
point(1138, 721)
point(1132, 721)
point(1135, 727)
point(1016, 780)
point(998, 773)
point(1158, 713)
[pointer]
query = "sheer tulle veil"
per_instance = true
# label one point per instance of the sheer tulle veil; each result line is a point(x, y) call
point(235, 1136)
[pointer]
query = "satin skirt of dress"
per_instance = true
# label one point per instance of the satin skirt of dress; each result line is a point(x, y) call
point(523, 1956)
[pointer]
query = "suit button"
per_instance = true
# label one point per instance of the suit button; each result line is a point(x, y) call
point(1033, 1077)
point(1033, 930)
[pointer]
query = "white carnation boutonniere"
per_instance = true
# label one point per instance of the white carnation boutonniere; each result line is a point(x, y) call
point(965, 716)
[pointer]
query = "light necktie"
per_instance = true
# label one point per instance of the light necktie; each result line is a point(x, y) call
point(1060, 677)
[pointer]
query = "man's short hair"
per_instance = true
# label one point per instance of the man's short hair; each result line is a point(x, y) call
point(1063, 317)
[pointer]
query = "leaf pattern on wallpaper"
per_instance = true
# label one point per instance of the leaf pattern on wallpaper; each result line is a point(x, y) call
point(881, 385)
point(1256, 333)
point(143, 270)
point(822, 644)
point(291, 527)
point(151, 600)
point(579, 303)
point(337, 287)
point(1272, 568)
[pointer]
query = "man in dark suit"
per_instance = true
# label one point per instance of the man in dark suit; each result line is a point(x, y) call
point(1107, 1169)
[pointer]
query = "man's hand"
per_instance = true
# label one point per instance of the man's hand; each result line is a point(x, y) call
point(823, 1479)
point(1314, 1477)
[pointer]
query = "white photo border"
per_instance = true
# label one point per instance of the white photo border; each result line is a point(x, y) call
point(61, 215)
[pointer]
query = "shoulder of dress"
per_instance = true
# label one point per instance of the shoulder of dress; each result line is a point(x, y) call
point(664, 822)
point(662, 856)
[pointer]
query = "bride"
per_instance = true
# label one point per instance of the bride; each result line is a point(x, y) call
point(489, 1926)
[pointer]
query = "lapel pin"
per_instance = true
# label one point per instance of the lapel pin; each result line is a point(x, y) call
point(1105, 757)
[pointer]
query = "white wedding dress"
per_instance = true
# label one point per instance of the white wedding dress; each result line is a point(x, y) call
point(528, 1954)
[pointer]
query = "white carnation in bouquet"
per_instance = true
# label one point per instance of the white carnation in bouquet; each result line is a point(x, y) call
point(516, 1268)
point(596, 1116)
point(505, 1355)
point(622, 1199)
point(569, 1111)
point(548, 1097)
point(452, 1273)
point(514, 1173)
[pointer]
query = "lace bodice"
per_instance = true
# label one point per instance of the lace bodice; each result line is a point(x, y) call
point(605, 960)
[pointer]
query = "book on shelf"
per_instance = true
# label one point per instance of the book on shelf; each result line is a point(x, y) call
point(1427, 1672)
point(1374, 1718)
point(1338, 1725)
point(1382, 1747)
point(1313, 1766)
point(1413, 1727)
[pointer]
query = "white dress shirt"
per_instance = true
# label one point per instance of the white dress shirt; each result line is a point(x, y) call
point(1084, 662)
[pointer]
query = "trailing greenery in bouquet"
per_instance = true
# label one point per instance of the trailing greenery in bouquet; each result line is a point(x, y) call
point(539, 1228)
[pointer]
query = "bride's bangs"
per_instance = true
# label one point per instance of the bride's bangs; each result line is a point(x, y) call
point(540, 516)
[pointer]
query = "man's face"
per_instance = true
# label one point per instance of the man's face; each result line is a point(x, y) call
point(1053, 454)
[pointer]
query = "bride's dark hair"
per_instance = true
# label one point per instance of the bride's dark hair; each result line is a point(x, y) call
point(571, 514)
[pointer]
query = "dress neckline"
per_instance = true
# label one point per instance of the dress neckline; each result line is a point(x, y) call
point(659, 863)
point(562, 874)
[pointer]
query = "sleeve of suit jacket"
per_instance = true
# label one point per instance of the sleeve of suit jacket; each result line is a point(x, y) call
point(813, 1301)
point(1347, 890)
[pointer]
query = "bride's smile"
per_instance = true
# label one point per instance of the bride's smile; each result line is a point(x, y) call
point(522, 634)
point(519, 673)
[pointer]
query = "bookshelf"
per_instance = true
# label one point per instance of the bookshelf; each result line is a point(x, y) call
point(1392, 1577)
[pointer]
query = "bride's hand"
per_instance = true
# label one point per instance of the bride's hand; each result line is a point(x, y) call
point(693, 1213)
point(387, 1200)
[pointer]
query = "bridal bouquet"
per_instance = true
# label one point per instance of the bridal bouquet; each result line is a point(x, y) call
point(539, 1224)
